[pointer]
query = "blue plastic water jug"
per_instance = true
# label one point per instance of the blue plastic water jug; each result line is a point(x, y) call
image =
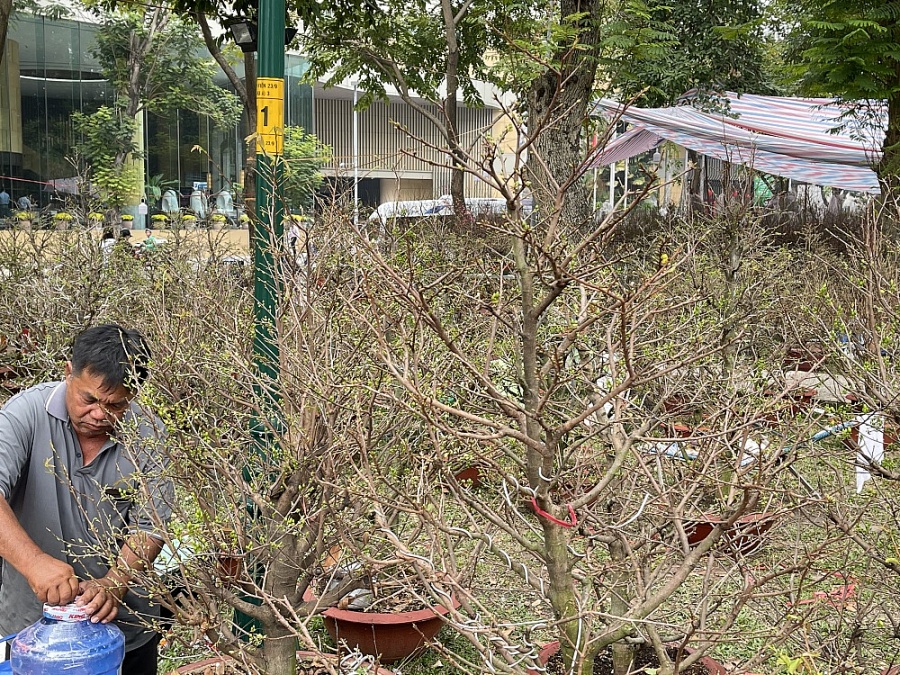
point(65, 642)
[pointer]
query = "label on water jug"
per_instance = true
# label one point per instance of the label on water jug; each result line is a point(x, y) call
point(70, 613)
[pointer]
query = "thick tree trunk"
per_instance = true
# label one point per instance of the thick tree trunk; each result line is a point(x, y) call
point(457, 175)
point(5, 14)
point(889, 167)
point(558, 103)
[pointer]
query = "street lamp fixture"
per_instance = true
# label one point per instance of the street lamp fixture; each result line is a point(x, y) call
point(243, 32)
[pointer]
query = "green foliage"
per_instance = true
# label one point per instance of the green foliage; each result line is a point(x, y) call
point(104, 135)
point(672, 47)
point(156, 185)
point(530, 44)
point(171, 74)
point(303, 157)
point(851, 49)
point(847, 48)
point(402, 44)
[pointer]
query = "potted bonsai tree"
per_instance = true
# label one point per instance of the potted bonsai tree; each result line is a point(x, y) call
point(579, 507)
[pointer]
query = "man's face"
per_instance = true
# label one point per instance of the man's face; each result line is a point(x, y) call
point(94, 409)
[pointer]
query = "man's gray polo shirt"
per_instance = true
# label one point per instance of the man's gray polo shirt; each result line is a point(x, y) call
point(76, 513)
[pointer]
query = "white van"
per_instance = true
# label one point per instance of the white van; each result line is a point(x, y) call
point(419, 208)
point(442, 206)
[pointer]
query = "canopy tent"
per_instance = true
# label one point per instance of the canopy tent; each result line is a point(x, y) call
point(808, 140)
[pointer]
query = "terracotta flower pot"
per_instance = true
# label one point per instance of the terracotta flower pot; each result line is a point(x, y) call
point(682, 430)
point(547, 652)
point(229, 566)
point(389, 636)
point(795, 401)
point(471, 474)
point(745, 538)
point(804, 357)
point(217, 665)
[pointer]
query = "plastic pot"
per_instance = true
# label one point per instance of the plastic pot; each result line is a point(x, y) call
point(388, 636)
point(745, 537)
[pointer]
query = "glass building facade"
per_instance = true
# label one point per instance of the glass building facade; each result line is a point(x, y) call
point(49, 72)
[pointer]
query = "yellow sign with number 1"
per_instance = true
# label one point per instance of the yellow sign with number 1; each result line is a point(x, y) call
point(270, 115)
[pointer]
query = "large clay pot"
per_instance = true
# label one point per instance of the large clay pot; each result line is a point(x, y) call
point(389, 636)
point(804, 357)
point(712, 666)
point(744, 538)
point(470, 475)
point(216, 666)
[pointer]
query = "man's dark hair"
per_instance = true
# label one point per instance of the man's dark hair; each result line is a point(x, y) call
point(118, 355)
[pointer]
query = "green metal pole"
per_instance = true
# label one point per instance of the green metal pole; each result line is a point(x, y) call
point(268, 234)
point(266, 240)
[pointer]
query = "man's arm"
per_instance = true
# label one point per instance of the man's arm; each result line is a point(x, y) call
point(102, 597)
point(53, 581)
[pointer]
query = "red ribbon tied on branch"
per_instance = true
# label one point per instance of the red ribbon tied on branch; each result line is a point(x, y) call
point(573, 519)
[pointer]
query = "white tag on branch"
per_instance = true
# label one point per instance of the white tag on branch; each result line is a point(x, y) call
point(871, 446)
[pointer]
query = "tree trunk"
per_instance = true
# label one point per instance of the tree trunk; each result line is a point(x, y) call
point(457, 174)
point(888, 168)
point(539, 465)
point(622, 654)
point(5, 14)
point(279, 651)
point(557, 108)
point(280, 644)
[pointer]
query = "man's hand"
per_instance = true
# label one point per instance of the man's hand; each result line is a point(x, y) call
point(101, 598)
point(52, 580)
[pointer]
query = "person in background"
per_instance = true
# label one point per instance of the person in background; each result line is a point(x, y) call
point(4, 203)
point(73, 492)
point(151, 243)
point(24, 203)
point(123, 246)
point(107, 242)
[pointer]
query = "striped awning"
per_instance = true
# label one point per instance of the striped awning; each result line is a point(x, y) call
point(808, 140)
point(633, 142)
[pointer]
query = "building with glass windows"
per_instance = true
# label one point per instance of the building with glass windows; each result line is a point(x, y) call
point(48, 72)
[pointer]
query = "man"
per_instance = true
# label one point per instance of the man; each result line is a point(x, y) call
point(24, 203)
point(4, 203)
point(123, 243)
point(151, 243)
point(76, 494)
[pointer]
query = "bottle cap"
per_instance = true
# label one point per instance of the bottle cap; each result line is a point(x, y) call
point(70, 613)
